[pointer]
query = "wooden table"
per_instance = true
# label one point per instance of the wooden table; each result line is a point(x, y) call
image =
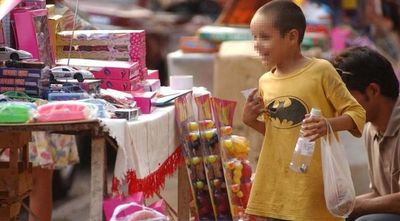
point(98, 183)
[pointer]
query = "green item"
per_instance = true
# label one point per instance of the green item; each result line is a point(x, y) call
point(19, 96)
point(14, 113)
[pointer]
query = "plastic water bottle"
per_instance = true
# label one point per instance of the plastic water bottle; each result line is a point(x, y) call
point(304, 150)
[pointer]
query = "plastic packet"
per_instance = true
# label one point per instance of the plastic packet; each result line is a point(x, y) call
point(16, 112)
point(145, 214)
point(212, 158)
point(190, 138)
point(234, 151)
point(65, 111)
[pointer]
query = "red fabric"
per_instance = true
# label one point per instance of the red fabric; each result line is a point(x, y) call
point(153, 182)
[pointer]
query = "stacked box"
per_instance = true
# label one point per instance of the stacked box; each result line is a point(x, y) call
point(27, 80)
point(118, 75)
point(120, 45)
point(32, 34)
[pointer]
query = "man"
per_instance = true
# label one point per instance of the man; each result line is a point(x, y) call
point(371, 80)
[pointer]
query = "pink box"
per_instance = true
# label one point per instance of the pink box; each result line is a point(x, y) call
point(125, 45)
point(111, 203)
point(111, 70)
point(153, 74)
point(31, 30)
point(144, 101)
point(121, 85)
point(150, 85)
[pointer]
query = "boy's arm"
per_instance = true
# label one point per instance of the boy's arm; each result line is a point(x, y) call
point(257, 125)
point(316, 127)
point(344, 122)
point(253, 107)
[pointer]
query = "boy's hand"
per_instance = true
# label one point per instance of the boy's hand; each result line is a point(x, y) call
point(253, 107)
point(314, 127)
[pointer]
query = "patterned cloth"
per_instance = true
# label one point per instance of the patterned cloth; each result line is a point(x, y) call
point(50, 150)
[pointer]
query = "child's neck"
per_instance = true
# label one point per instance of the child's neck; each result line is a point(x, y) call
point(291, 64)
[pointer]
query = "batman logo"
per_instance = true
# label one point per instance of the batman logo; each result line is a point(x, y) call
point(286, 112)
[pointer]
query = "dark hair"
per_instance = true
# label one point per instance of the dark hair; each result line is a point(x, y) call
point(288, 16)
point(360, 66)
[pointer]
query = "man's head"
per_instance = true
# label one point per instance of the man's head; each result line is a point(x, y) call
point(368, 75)
point(278, 28)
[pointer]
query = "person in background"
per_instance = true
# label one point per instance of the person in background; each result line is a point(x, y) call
point(371, 80)
point(286, 93)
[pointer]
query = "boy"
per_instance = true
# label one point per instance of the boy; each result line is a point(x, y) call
point(371, 80)
point(294, 85)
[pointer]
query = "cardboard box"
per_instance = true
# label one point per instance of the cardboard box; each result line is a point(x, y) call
point(20, 72)
point(111, 70)
point(121, 85)
point(25, 80)
point(56, 23)
point(144, 101)
point(32, 34)
point(153, 74)
point(121, 45)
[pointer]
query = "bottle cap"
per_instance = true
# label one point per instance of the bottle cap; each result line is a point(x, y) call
point(315, 112)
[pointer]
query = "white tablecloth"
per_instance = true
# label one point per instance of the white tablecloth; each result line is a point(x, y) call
point(143, 144)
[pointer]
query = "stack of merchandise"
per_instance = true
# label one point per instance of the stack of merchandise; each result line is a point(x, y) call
point(119, 45)
point(32, 81)
point(219, 173)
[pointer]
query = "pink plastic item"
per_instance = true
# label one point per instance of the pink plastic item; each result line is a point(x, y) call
point(110, 204)
point(159, 206)
point(61, 111)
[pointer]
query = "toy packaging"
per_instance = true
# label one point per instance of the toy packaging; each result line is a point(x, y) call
point(212, 157)
point(65, 111)
point(216, 160)
point(112, 70)
point(15, 112)
point(234, 153)
point(201, 206)
point(32, 33)
point(118, 45)
point(31, 81)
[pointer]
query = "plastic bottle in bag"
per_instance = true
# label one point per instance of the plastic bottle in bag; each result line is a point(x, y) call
point(304, 150)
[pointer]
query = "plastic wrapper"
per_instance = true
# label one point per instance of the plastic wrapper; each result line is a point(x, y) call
point(103, 107)
point(144, 214)
point(212, 158)
point(65, 111)
point(338, 185)
point(190, 138)
point(16, 112)
point(234, 152)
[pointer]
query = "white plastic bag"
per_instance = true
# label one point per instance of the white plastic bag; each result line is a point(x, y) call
point(338, 185)
point(151, 214)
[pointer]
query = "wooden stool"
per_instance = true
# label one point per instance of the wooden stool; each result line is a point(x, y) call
point(15, 175)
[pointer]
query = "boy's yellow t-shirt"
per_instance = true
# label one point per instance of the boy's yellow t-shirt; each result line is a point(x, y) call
point(277, 191)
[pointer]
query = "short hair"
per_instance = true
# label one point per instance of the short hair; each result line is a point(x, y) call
point(360, 66)
point(288, 16)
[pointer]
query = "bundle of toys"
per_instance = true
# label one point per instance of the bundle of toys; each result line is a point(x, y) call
point(216, 160)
